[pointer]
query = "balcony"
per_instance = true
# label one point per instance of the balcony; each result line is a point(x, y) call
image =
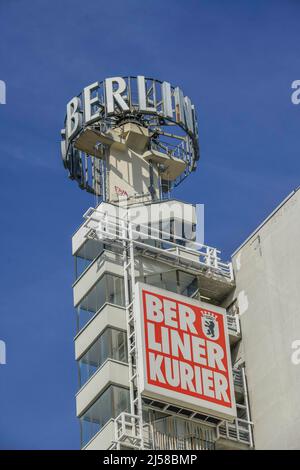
point(108, 315)
point(109, 404)
point(111, 372)
point(111, 344)
point(106, 262)
point(99, 242)
point(163, 246)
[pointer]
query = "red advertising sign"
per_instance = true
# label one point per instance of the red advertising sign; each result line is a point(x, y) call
point(185, 349)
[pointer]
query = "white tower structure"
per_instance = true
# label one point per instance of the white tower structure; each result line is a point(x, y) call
point(157, 325)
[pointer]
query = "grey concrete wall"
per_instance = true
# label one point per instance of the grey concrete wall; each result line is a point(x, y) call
point(267, 270)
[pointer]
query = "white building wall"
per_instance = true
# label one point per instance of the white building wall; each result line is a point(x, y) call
point(268, 289)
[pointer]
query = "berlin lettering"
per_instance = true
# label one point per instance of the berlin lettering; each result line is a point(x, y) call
point(118, 95)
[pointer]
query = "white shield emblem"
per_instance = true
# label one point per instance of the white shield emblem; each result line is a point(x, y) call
point(210, 325)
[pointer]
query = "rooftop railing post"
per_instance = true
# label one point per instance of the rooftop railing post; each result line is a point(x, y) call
point(208, 256)
point(215, 255)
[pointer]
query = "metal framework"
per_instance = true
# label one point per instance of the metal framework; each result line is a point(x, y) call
point(193, 258)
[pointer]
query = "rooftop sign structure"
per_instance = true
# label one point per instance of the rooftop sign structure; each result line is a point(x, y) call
point(151, 117)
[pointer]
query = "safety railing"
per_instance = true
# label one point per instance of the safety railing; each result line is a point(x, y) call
point(128, 429)
point(240, 429)
point(237, 378)
point(155, 242)
point(164, 441)
point(174, 433)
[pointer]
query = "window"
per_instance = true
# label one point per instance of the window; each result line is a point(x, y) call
point(166, 280)
point(187, 284)
point(109, 405)
point(115, 290)
point(109, 288)
point(112, 344)
point(86, 255)
point(119, 345)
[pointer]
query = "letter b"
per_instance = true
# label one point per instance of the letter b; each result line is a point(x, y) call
point(154, 308)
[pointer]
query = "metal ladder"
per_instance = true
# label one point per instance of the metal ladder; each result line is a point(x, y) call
point(129, 428)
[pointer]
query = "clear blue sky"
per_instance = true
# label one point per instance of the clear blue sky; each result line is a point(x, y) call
point(235, 59)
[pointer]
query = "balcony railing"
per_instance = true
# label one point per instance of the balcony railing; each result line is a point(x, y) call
point(175, 433)
point(237, 378)
point(240, 430)
point(128, 431)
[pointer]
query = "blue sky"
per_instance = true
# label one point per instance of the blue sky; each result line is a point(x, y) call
point(235, 59)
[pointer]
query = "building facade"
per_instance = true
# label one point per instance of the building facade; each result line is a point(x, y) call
point(267, 290)
point(220, 372)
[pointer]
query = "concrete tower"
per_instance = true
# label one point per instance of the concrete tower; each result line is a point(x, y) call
point(158, 329)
